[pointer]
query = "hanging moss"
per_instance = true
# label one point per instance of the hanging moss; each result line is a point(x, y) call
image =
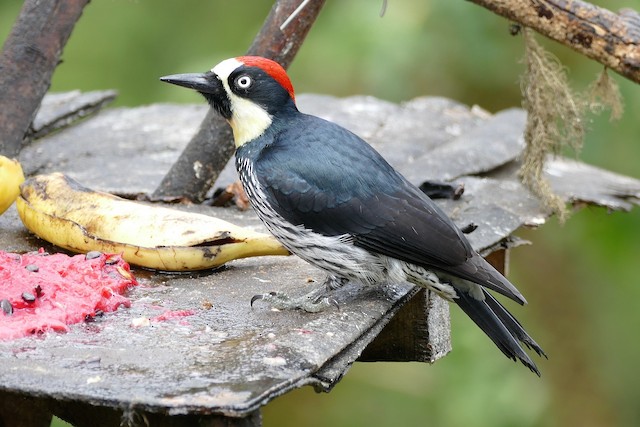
point(605, 93)
point(555, 118)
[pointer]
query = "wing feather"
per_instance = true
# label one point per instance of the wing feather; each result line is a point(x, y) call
point(337, 184)
point(340, 185)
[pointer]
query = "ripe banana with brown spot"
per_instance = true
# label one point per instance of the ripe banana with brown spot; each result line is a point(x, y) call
point(11, 177)
point(63, 212)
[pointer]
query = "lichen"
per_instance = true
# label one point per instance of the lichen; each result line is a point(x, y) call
point(555, 119)
point(605, 93)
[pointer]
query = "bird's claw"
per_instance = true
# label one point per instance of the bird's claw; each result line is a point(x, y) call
point(310, 303)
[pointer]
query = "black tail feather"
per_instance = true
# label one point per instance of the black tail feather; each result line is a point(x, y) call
point(499, 325)
point(513, 325)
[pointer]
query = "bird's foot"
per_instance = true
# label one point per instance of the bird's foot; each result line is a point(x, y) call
point(311, 302)
point(315, 301)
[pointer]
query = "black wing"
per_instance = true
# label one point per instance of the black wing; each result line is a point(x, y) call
point(327, 179)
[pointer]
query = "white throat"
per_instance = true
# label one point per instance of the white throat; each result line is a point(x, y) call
point(248, 120)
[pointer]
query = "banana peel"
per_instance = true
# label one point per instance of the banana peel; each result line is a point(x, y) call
point(63, 212)
point(11, 176)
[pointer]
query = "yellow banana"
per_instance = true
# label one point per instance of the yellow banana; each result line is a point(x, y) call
point(11, 177)
point(63, 212)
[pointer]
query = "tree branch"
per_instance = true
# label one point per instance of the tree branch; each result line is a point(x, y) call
point(208, 152)
point(609, 38)
point(29, 57)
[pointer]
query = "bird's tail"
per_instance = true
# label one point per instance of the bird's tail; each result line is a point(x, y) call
point(499, 325)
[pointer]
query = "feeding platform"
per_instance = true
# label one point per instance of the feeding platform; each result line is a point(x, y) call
point(225, 360)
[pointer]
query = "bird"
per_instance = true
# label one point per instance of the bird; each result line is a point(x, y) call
point(334, 201)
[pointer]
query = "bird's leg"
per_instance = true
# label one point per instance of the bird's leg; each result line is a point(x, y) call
point(332, 282)
point(315, 301)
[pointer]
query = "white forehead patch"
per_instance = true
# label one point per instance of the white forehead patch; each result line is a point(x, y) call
point(225, 68)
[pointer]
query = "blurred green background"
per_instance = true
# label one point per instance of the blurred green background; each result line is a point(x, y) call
point(581, 279)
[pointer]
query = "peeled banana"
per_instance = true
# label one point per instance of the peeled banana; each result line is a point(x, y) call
point(11, 177)
point(63, 212)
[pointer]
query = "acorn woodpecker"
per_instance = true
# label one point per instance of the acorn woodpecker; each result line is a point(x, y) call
point(332, 200)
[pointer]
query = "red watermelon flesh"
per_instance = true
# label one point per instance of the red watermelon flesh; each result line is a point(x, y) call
point(41, 292)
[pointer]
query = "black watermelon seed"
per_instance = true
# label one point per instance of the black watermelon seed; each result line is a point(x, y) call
point(28, 297)
point(6, 306)
point(113, 259)
point(32, 268)
point(93, 255)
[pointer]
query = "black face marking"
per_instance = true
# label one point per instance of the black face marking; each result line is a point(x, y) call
point(218, 98)
point(256, 85)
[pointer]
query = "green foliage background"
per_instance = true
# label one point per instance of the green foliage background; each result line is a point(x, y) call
point(581, 279)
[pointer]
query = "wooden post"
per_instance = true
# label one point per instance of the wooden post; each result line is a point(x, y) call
point(30, 55)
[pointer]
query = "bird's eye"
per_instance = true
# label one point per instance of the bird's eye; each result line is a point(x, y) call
point(243, 82)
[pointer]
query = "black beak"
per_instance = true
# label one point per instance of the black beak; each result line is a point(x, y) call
point(202, 82)
point(209, 85)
